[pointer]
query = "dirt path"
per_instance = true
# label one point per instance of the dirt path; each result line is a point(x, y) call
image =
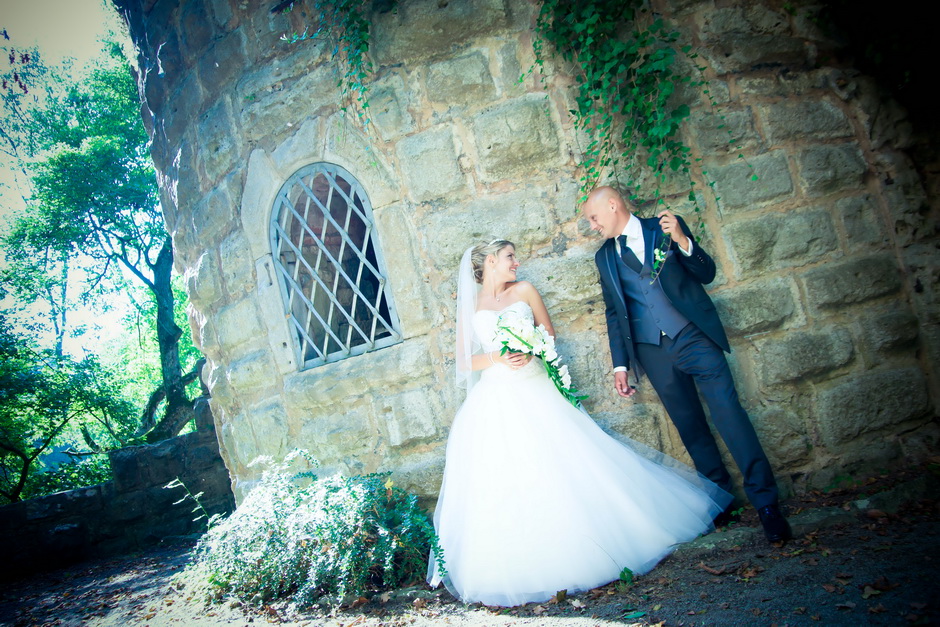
point(858, 560)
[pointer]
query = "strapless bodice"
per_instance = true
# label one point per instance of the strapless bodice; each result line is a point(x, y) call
point(484, 323)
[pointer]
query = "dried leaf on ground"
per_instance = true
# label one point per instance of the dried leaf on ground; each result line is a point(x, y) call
point(710, 570)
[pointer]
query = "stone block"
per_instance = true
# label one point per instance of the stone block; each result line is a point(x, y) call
point(516, 138)
point(224, 16)
point(344, 437)
point(728, 132)
point(743, 38)
point(237, 266)
point(423, 29)
point(429, 164)
point(461, 81)
point(755, 307)
point(398, 236)
point(420, 474)
point(312, 392)
point(856, 280)
point(390, 101)
point(128, 468)
point(886, 331)
point(446, 233)
point(253, 375)
point(863, 227)
point(271, 113)
point(204, 334)
point(203, 280)
point(870, 402)
point(239, 444)
point(356, 150)
point(782, 432)
point(775, 241)
point(410, 416)
point(213, 216)
point(262, 182)
point(736, 189)
point(827, 169)
point(196, 31)
point(186, 103)
point(794, 121)
point(218, 150)
point(222, 63)
point(798, 355)
point(906, 199)
point(565, 282)
point(270, 427)
point(238, 325)
point(639, 421)
point(300, 149)
point(271, 306)
point(510, 69)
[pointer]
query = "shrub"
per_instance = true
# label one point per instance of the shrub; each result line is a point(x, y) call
point(91, 470)
point(324, 540)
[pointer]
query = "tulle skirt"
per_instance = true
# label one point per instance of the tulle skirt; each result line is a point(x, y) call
point(536, 498)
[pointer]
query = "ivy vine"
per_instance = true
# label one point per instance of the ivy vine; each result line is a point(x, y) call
point(628, 73)
point(344, 25)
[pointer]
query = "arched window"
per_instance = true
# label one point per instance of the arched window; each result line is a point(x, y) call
point(332, 274)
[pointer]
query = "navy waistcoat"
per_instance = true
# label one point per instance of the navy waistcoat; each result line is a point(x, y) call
point(650, 311)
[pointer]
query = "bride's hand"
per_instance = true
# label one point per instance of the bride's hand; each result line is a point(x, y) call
point(516, 360)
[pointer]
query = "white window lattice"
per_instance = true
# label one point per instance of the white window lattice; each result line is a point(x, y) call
point(332, 274)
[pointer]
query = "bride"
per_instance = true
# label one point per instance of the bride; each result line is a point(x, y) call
point(536, 498)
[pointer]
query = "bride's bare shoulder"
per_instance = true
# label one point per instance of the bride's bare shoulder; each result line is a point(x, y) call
point(523, 289)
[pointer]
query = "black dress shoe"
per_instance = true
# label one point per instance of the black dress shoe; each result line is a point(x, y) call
point(776, 527)
point(727, 516)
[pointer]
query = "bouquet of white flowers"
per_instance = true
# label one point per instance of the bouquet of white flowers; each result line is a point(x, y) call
point(518, 335)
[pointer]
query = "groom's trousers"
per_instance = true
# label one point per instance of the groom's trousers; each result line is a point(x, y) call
point(675, 368)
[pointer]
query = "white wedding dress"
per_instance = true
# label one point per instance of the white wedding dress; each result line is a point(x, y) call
point(536, 498)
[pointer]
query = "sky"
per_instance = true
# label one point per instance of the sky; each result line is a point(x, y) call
point(61, 29)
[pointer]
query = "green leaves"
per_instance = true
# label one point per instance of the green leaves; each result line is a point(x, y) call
point(345, 24)
point(627, 79)
point(325, 539)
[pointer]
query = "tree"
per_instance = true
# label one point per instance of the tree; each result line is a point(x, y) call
point(41, 394)
point(94, 203)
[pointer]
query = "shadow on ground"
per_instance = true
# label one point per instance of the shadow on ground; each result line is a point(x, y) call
point(865, 554)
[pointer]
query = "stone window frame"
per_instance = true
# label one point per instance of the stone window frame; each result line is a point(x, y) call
point(295, 296)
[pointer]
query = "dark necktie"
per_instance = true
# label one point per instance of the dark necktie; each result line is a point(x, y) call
point(628, 255)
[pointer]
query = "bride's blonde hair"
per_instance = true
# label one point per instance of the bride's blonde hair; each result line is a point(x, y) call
point(481, 251)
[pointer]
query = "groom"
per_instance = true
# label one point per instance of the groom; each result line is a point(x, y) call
point(669, 329)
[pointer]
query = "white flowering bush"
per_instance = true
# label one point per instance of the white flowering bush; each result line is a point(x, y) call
point(323, 541)
point(517, 334)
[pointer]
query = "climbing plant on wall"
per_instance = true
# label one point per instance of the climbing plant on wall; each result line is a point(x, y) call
point(628, 70)
point(344, 25)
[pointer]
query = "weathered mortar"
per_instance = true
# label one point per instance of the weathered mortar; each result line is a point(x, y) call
point(827, 277)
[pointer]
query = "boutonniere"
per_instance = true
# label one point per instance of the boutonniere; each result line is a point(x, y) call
point(659, 256)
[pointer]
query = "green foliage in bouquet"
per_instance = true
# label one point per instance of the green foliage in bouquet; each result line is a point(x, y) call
point(306, 539)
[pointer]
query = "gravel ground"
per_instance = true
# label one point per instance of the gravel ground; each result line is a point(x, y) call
point(867, 554)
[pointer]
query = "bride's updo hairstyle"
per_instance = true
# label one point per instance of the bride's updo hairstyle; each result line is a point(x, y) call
point(481, 251)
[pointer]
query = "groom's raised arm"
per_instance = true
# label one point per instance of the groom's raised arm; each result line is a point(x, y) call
point(699, 264)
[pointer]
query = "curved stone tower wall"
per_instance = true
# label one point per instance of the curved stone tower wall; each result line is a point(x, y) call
point(827, 278)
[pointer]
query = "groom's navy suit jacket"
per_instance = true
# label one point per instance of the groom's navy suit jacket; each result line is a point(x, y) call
point(681, 278)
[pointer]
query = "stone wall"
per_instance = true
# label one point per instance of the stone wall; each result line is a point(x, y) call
point(130, 512)
point(827, 278)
